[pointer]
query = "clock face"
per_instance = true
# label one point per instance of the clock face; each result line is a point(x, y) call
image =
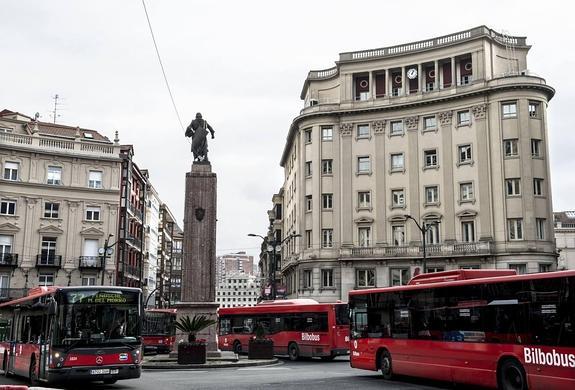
point(412, 73)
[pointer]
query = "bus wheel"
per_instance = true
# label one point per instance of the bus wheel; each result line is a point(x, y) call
point(110, 381)
point(293, 352)
point(511, 375)
point(237, 347)
point(33, 374)
point(385, 365)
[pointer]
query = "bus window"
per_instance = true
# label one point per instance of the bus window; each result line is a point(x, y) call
point(225, 326)
point(341, 314)
point(358, 316)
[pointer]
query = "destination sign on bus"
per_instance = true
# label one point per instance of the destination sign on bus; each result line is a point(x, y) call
point(100, 297)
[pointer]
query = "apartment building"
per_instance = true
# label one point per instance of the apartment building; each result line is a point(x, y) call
point(59, 200)
point(565, 238)
point(446, 136)
point(151, 241)
point(233, 263)
point(238, 289)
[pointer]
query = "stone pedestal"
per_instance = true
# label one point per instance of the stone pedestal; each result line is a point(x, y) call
point(198, 308)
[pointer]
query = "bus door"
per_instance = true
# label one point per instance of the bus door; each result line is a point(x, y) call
point(44, 344)
point(341, 335)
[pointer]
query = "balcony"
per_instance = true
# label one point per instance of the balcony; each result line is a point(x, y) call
point(90, 262)
point(8, 260)
point(131, 271)
point(8, 294)
point(135, 212)
point(48, 261)
point(415, 251)
point(134, 241)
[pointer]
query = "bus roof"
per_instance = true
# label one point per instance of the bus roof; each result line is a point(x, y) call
point(284, 306)
point(467, 278)
point(459, 274)
point(301, 301)
point(38, 292)
point(156, 310)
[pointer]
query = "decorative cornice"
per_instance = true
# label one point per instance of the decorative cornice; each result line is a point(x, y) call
point(445, 117)
point(412, 122)
point(346, 129)
point(479, 111)
point(379, 126)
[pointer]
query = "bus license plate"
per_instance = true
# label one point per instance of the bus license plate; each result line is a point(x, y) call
point(100, 371)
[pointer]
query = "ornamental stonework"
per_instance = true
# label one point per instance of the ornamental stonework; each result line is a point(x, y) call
point(378, 127)
point(346, 129)
point(445, 118)
point(479, 111)
point(412, 122)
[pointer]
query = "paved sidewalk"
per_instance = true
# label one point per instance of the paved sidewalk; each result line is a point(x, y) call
point(164, 362)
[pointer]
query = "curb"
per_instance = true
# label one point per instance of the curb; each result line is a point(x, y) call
point(175, 366)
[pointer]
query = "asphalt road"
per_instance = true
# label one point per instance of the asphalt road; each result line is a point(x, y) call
point(300, 375)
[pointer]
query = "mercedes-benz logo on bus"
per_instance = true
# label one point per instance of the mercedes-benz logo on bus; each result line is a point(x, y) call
point(99, 360)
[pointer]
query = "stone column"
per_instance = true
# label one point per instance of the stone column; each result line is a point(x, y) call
point(199, 250)
point(484, 172)
point(404, 87)
point(453, 73)
point(449, 195)
point(378, 196)
point(348, 168)
point(436, 84)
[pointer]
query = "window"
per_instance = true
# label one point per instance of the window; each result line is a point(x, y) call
point(434, 269)
point(468, 231)
point(510, 146)
point(509, 110)
point(93, 214)
point(396, 127)
point(398, 235)
point(365, 277)
point(430, 157)
point(48, 254)
point(463, 118)
point(399, 276)
point(11, 170)
point(362, 131)
point(538, 187)
point(95, 179)
point(515, 227)
point(327, 201)
point(6, 249)
point(363, 199)
point(544, 267)
point(397, 198)
point(464, 154)
point(308, 239)
point(533, 110)
point(307, 136)
point(363, 165)
point(432, 195)
point(88, 280)
point(326, 167)
point(429, 123)
point(7, 207)
point(54, 175)
point(326, 278)
point(540, 228)
point(432, 232)
point(535, 147)
point(364, 236)
point(307, 278)
point(513, 187)
point(470, 266)
point(397, 162)
point(521, 269)
point(466, 191)
point(308, 203)
point(308, 168)
point(51, 210)
point(46, 279)
point(327, 238)
point(326, 134)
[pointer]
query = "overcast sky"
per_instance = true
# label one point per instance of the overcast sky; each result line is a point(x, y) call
point(241, 64)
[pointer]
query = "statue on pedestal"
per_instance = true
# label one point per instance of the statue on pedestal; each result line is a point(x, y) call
point(198, 130)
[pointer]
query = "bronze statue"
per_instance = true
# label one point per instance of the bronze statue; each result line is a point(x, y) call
point(198, 130)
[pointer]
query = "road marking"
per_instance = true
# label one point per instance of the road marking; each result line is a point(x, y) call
point(263, 368)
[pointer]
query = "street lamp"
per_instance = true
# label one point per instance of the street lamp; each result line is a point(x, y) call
point(272, 247)
point(424, 228)
point(105, 252)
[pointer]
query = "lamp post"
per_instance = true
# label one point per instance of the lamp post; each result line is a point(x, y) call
point(149, 296)
point(105, 252)
point(272, 247)
point(424, 228)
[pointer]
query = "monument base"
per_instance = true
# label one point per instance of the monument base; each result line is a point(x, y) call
point(208, 309)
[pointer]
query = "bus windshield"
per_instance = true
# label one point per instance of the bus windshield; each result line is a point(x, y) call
point(159, 324)
point(97, 317)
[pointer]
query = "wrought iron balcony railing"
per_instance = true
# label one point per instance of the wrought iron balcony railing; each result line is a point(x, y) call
point(48, 260)
point(90, 262)
point(8, 259)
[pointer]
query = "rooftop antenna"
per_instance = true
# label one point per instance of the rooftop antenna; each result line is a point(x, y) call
point(510, 53)
point(55, 111)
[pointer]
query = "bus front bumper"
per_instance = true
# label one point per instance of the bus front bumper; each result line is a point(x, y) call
point(94, 373)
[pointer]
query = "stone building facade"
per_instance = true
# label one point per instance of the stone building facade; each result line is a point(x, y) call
point(450, 133)
point(565, 238)
point(238, 289)
point(59, 194)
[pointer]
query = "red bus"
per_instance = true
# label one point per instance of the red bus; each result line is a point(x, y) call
point(482, 327)
point(58, 334)
point(298, 327)
point(159, 330)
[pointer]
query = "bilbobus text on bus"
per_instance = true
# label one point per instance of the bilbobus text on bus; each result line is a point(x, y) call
point(57, 334)
point(159, 330)
point(298, 327)
point(483, 327)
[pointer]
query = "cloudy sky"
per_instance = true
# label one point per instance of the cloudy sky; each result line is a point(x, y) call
point(242, 64)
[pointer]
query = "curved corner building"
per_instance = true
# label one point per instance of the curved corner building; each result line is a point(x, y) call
point(450, 132)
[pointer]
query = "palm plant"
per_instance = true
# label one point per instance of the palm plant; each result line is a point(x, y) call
point(193, 325)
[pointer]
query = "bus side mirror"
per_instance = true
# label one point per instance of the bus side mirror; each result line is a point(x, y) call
point(52, 306)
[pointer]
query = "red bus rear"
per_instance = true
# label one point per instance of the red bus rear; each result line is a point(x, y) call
point(490, 328)
point(61, 334)
point(159, 330)
point(298, 327)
